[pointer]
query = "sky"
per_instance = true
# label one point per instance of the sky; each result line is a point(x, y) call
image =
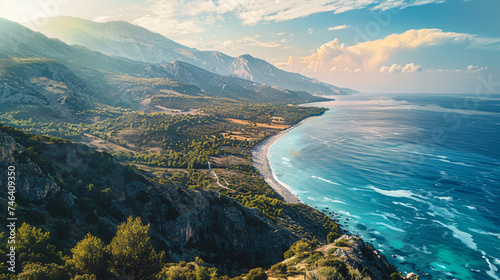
point(385, 46)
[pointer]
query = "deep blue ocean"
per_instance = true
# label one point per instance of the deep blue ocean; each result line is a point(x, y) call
point(416, 174)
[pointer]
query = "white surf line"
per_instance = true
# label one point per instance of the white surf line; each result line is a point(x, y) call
point(217, 179)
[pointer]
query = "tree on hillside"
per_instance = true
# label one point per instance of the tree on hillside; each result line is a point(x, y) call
point(90, 256)
point(132, 253)
point(33, 245)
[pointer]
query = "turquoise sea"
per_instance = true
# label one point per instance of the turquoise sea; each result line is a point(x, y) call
point(416, 174)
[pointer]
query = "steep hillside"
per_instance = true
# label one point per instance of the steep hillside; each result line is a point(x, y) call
point(63, 182)
point(96, 69)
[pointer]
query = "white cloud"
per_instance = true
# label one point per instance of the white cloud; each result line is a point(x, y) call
point(371, 55)
point(408, 68)
point(252, 12)
point(162, 17)
point(473, 68)
point(339, 27)
point(310, 31)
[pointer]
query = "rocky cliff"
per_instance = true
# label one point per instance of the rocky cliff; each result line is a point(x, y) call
point(185, 222)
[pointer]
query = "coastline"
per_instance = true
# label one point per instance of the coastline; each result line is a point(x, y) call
point(261, 162)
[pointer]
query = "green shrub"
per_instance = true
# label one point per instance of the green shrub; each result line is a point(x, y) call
point(332, 236)
point(256, 274)
point(298, 247)
point(327, 272)
point(314, 258)
point(342, 243)
point(43, 272)
point(396, 276)
point(280, 268)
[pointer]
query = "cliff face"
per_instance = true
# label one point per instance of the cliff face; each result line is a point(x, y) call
point(186, 223)
point(31, 182)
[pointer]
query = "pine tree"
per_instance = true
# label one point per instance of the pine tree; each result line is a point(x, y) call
point(91, 256)
point(132, 253)
point(33, 245)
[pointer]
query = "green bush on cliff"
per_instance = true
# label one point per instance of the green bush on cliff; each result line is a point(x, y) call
point(256, 274)
point(332, 236)
point(299, 247)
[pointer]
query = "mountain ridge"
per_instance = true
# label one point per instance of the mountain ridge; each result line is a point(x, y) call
point(147, 46)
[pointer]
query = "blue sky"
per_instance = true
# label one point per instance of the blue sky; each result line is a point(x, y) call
point(368, 45)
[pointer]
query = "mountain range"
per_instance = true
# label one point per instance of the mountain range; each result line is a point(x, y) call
point(119, 38)
point(37, 72)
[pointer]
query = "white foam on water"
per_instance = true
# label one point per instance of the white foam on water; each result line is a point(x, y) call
point(493, 269)
point(440, 211)
point(349, 214)
point(464, 237)
point(447, 198)
point(325, 180)
point(423, 249)
point(471, 207)
point(497, 235)
point(406, 205)
point(399, 193)
point(391, 227)
point(385, 215)
point(400, 258)
point(285, 159)
point(380, 215)
point(456, 163)
point(333, 200)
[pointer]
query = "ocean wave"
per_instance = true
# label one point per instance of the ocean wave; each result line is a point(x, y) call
point(493, 269)
point(464, 237)
point(441, 211)
point(471, 207)
point(457, 163)
point(408, 205)
point(497, 235)
point(385, 215)
point(349, 214)
point(423, 249)
point(399, 193)
point(390, 227)
point(333, 200)
point(447, 198)
point(325, 180)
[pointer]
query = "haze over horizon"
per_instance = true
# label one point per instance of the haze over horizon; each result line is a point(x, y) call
point(371, 46)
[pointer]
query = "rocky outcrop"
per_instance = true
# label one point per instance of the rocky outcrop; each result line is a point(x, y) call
point(30, 180)
point(358, 255)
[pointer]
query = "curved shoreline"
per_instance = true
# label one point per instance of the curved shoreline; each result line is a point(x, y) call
point(261, 162)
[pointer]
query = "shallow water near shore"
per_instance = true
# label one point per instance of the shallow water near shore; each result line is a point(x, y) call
point(418, 175)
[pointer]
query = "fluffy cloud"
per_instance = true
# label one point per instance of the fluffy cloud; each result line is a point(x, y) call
point(408, 68)
point(339, 27)
point(371, 55)
point(162, 17)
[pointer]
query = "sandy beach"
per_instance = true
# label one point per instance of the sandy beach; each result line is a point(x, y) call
point(261, 163)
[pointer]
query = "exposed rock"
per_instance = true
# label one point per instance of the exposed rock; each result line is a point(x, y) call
point(358, 255)
point(412, 276)
point(30, 181)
